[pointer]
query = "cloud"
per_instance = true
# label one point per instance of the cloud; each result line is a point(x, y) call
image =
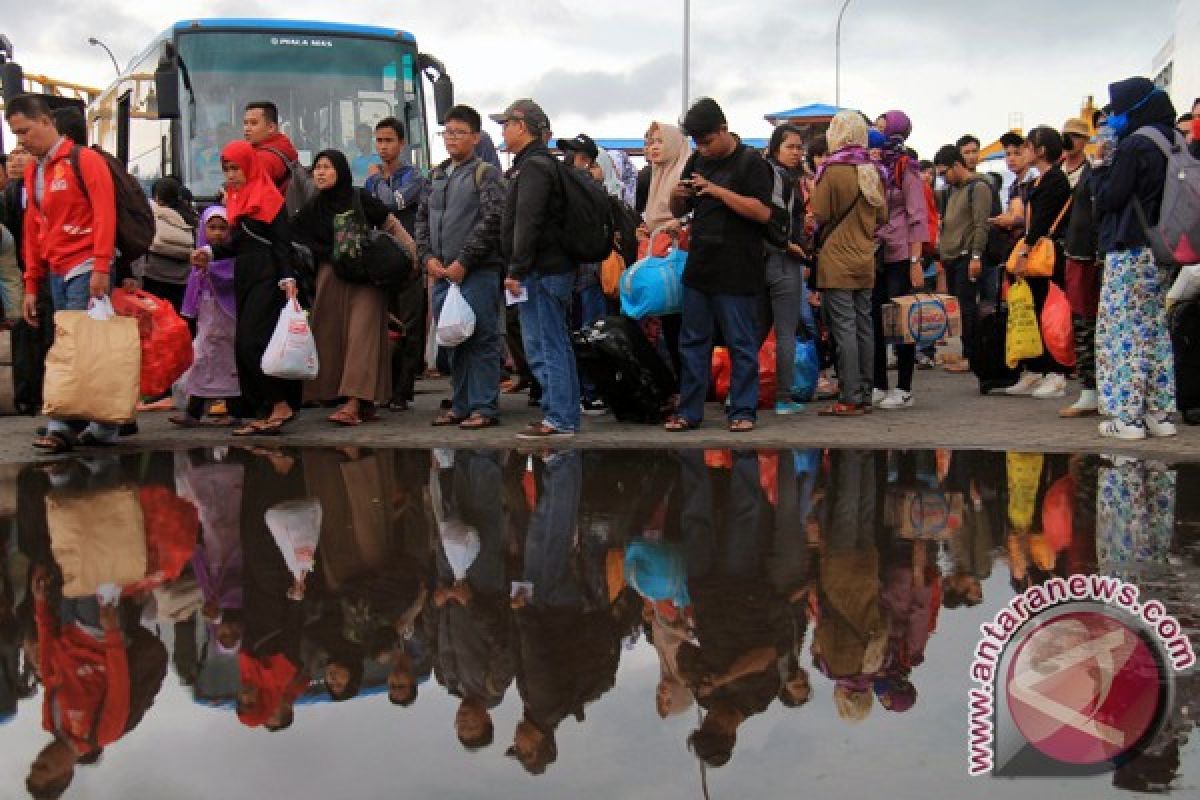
point(599, 93)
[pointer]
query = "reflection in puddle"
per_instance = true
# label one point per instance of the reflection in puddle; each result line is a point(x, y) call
point(539, 605)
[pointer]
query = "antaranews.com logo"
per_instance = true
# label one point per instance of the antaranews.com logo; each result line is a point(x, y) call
point(1073, 677)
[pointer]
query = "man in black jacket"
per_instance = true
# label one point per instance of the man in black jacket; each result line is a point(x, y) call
point(540, 272)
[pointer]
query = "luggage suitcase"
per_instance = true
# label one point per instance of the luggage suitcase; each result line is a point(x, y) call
point(628, 373)
point(1185, 341)
point(988, 364)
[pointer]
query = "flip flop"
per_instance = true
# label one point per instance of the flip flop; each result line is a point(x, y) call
point(53, 443)
point(678, 424)
point(447, 418)
point(477, 422)
point(274, 427)
point(345, 418)
point(741, 426)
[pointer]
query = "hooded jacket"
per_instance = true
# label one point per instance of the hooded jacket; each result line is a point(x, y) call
point(65, 227)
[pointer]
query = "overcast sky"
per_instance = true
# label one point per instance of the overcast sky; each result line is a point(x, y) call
point(609, 68)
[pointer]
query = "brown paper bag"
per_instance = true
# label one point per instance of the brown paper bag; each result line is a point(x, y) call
point(97, 536)
point(93, 371)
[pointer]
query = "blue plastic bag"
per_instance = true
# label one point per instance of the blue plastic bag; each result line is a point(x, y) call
point(807, 370)
point(653, 286)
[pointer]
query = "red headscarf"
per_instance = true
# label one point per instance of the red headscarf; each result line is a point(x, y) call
point(258, 198)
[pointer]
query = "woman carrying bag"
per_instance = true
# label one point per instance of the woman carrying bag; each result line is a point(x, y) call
point(349, 320)
point(263, 283)
point(1045, 210)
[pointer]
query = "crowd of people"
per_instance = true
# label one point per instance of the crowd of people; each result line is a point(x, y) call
point(865, 221)
point(760, 579)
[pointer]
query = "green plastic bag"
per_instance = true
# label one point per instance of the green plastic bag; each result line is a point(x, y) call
point(1023, 338)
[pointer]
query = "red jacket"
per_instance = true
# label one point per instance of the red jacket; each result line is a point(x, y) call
point(87, 679)
point(272, 163)
point(67, 228)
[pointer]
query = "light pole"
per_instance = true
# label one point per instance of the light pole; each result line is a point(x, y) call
point(687, 49)
point(837, 69)
point(92, 40)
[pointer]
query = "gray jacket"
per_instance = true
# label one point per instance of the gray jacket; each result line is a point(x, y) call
point(460, 216)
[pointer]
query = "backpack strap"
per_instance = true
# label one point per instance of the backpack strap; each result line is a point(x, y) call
point(1155, 135)
point(78, 170)
point(287, 162)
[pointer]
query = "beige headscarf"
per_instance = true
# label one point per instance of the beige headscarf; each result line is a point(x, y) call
point(663, 177)
point(849, 129)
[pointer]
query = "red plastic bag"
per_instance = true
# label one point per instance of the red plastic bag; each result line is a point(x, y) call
point(166, 339)
point(722, 374)
point(722, 371)
point(1058, 513)
point(172, 530)
point(1057, 333)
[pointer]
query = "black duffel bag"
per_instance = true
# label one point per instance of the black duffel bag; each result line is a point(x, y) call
point(363, 254)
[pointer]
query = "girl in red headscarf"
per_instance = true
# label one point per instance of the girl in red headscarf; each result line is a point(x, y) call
point(260, 245)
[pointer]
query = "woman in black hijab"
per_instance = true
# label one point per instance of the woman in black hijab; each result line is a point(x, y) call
point(349, 320)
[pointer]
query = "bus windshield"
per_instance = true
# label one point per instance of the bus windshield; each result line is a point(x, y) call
point(330, 90)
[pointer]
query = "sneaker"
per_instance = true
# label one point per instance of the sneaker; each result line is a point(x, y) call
point(593, 408)
point(1159, 424)
point(897, 399)
point(1027, 385)
point(540, 430)
point(878, 396)
point(1086, 406)
point(783, 409)
point(1053, 385)
point(1115, 429)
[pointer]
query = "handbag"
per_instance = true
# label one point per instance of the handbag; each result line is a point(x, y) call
point(1043, 255)
point(1023, 338)
point(364, 255)
point(93, 371)
point(291, 355)
point(653, 287)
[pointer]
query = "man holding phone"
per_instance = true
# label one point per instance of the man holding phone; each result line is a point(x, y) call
point(727, 187)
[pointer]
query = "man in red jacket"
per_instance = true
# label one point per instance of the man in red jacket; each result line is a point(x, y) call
point(260, 127)
point(69, 234)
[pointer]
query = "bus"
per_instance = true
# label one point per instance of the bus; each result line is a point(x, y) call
point(181, 98)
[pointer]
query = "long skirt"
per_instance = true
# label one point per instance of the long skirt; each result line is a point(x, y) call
point(1134, 363)
point(349, 323)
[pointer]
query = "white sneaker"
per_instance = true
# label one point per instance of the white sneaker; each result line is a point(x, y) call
point(1053, 385)
point(1115, 429)
point(897, 399)
point(1159, 425)
point(1028, 384)
point(878, 396)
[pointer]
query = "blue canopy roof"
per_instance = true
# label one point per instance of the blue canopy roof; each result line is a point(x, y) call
point(812, 110)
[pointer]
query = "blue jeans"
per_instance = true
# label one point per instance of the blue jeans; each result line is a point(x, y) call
point(735, 314)
point(475, 365)
point(73, 295)
point(544, 331)
point(593, 306)
point(550, 543)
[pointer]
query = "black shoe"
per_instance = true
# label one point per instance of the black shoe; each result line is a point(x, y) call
point(128, 429)
point(593, 408)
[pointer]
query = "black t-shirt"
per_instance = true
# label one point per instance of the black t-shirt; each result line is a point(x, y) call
point(728, 254)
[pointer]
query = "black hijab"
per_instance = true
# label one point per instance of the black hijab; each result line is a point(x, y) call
point(313, 225)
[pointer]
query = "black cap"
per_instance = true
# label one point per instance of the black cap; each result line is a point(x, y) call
point(580, 144)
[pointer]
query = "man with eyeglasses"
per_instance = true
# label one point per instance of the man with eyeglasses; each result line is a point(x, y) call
point(539, 269)
point(458, 243)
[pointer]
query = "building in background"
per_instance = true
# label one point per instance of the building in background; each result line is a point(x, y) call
point(1177, 65)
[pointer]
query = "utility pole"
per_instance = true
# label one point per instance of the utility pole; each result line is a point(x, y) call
point(837, 69)
point(687, 51)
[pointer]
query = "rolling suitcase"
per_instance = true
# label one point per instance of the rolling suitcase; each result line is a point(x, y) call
point(626, 370)
point(988, 362)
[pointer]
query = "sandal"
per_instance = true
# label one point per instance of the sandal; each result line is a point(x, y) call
point(841, 410)
point(345, 418)
point(678, 424)
point(274, 426)
point(184, 421)
point(477, 422)
point(250, 428)
point(447, 418)
point(741, 426)
point(53, 443)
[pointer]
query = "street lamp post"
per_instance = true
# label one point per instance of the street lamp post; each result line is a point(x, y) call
point(687, 50)
point(94, 42)
point(837, 69)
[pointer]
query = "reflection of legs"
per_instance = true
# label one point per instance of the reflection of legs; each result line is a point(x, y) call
point(696, 516)
point(550, 545)
point(741, 541)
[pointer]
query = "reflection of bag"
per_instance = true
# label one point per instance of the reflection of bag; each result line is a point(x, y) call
point(296, 527)
point(165, 338)
point(97, 536)
point(292, 351)
point(1057, 332)
point(460, 543)
point(653, 286)
point(1024, 477)
point(456, 323)
point(1023, 338)
point(93, 371)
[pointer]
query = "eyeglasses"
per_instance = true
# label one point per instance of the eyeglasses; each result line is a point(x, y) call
point(453, 134)
point(509, 120)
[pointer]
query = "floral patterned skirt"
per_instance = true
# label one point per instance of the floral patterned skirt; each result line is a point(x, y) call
point(1134, 363)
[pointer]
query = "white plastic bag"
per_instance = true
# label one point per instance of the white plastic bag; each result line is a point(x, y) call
point(101, 308)
point(1186, 286)
point(457, 320)
point(292, 352)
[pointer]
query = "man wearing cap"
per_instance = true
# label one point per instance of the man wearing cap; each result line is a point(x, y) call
point(1083, 270)
point(539, 266)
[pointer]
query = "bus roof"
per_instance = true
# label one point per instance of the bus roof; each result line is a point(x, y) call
point(292, 26)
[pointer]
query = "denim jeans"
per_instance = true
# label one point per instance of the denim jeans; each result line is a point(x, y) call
point(593, 306)
point(723, 540)
point(544, 320)
point(550, 543)
point(784, 304)
point(73, 295)
point(475, 365)
point(735, 314)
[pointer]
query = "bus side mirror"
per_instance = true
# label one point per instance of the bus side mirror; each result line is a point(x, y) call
point(166, 89)
point(13, 79)
point(443, 97)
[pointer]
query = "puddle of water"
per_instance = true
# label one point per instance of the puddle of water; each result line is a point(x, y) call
point(499, 624)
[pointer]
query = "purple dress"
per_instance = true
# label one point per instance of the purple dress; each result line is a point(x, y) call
point(209, 299)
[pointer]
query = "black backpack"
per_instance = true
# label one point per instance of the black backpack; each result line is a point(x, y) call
point(587, 231)
point(625, 225)
point(135, 220)
point(298, 188)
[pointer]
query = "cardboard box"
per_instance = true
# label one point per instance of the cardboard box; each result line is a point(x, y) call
point(921, 319)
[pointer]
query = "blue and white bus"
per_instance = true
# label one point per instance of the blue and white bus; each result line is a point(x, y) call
point(182, 97)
